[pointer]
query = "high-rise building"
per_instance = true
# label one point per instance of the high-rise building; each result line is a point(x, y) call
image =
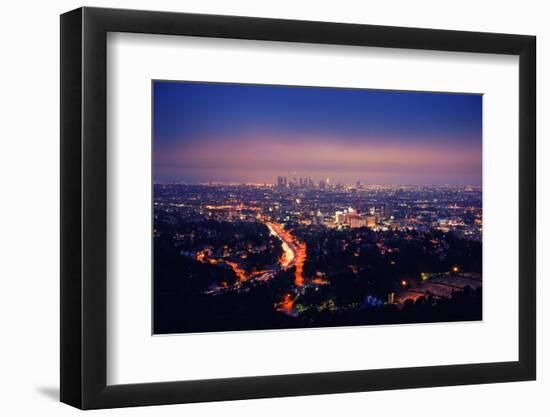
point(351, 214)
point(357, 222)
point(319, 218)
point(371, 221)
point(339, 217)
point(388, 210)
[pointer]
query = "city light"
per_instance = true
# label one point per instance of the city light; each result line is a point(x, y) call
point(250, 236)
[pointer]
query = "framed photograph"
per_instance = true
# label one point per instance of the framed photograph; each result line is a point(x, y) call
point(257, 208)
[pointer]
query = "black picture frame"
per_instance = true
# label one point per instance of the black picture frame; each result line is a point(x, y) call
point(84, 207)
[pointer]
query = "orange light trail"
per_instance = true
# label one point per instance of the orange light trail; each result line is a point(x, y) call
point(300, 259)
point(286, 305)
point(294, 255)
point(241, 274)
point(294, 252)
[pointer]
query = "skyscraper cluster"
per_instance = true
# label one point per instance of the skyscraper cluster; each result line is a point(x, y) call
point(302, 182)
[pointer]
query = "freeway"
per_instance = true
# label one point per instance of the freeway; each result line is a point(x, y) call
point(294, 252)
point(294, 255)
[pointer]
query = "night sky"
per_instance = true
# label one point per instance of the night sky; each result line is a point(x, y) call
point(253, 133)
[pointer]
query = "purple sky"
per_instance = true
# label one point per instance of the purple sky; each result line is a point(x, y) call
point(254, 133)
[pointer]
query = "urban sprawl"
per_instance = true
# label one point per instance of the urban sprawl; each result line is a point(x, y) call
point(301, 252)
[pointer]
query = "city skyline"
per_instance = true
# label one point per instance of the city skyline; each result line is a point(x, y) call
point(295, 178)
point(234, 133)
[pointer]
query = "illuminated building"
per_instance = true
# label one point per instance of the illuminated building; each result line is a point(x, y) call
point(319, 218)
point(357, 222)
point(351, 214)
point(371, 221)
point(339, 217)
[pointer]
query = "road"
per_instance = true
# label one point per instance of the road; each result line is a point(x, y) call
point(294, 255)
point(294, 252)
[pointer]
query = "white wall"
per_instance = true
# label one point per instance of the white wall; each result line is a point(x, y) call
point(29, 238)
